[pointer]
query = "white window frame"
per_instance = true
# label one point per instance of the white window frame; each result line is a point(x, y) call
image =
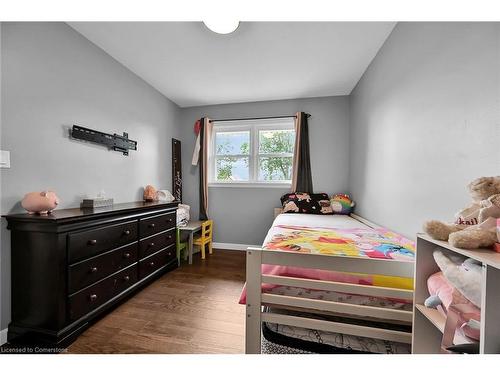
point(253, 126)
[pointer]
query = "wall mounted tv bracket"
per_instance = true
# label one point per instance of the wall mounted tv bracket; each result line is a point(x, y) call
point(116, 142)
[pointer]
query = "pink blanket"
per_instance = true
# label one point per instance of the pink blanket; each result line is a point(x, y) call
point(308, 273)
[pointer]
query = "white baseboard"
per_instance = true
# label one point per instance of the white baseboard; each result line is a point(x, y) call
point(231, 246)
point(3, 336)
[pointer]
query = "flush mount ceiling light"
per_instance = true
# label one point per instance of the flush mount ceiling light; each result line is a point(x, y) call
point(222, 26)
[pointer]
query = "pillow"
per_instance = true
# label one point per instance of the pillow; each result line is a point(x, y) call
point(306, 203)
point(341, 204)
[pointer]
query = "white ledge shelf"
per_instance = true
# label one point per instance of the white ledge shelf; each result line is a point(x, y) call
point(486, 256)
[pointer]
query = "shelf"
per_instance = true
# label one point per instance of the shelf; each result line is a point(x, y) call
point(433, 315)
point(439, 321)
point(485, 256)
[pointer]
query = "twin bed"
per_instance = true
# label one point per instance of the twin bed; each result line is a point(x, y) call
point(329, 284)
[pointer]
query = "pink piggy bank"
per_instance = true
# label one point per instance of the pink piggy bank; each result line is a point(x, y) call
point(40, 202)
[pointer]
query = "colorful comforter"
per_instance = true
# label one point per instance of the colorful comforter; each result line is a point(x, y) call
point(353, 242)
point(343, 240)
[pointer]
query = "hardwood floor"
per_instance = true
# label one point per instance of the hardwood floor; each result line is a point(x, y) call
point(193, 309)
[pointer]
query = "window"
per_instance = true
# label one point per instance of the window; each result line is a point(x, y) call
point(252, 152)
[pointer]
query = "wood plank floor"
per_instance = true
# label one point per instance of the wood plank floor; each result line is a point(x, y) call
point(193, 309)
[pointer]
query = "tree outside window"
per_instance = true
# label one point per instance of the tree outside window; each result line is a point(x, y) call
point(255, 154)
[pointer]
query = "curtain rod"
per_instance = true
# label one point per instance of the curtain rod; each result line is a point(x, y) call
point(257, 118)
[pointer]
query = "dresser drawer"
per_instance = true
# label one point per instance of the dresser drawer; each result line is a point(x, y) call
point(154, 262)
point(89, 271)
point(155, 243)
point(95, 295)
point(85, 244)
point(156, 224)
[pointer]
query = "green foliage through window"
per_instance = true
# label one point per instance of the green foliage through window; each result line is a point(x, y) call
point(273, 162)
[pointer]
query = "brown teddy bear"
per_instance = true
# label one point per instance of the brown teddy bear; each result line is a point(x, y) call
point(474, 226)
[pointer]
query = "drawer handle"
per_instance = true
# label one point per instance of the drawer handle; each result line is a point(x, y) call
point(151, 244)
point(92, 242)
point(93, 297)
point(169, 254)
point(152, 264)
point(126, 232)
point(93, 269)
point(169, 237)
point(126, 255)
point(152, 225)
point(169, 220)
point(126, 278)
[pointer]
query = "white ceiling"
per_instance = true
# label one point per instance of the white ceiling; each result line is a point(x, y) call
point(260, 61)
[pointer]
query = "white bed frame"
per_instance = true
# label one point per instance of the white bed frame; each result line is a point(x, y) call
point(256, 299)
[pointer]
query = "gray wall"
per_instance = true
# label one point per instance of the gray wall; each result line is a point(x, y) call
point(243, 215)
point(52, 77)
point(425, 120)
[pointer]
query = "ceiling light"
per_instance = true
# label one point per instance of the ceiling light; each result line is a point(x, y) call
point(222, 26)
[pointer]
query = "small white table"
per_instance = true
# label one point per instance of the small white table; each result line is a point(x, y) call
point(192, 227)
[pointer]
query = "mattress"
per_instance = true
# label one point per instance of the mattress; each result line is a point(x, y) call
point(318, 221)
point(337, 235)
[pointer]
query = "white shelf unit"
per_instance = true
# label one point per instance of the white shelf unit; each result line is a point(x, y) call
point(428, 324)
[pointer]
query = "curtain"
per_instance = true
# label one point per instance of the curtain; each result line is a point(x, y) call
point(301, 168)
point(202, 144)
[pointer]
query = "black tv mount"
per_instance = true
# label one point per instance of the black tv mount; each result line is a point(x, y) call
point(116, 142)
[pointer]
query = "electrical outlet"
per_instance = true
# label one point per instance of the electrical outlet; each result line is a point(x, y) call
point(4, 159)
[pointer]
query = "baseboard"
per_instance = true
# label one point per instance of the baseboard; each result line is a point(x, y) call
point(231, 246)
point(3, 336)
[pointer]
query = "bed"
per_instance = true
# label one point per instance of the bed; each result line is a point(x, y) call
point(319, 280)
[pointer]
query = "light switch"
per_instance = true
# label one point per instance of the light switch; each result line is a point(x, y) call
point(4, 159)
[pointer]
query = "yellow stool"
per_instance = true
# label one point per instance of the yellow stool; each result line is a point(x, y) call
point(205, 238)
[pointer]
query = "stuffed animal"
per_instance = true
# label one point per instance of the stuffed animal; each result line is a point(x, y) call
point(150, 194)
point(474, 226)
point(457, 288)
point(464, 274)
point(342, 204)
point(40, 202)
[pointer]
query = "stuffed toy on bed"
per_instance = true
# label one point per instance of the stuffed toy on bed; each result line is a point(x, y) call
point(457, 289)
point(342, 204)
point(474, 226)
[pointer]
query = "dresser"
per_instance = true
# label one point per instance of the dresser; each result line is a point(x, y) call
point(73, 265)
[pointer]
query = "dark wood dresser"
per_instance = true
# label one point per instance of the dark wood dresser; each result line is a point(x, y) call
point(74, 264)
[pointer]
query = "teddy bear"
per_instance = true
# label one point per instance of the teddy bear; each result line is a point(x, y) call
point(474, 226)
